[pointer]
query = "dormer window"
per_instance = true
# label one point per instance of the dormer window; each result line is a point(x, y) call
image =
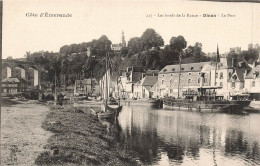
point(234, 77)
point(164, 70)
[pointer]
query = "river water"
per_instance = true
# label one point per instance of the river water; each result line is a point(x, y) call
point(168, 137)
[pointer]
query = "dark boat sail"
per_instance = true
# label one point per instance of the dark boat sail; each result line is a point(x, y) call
point(106, 110)
point(203, 99)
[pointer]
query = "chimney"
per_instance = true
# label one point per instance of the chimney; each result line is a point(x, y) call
point(254, 64)
point(143, 75)
point(234, 62)
point(8, 72)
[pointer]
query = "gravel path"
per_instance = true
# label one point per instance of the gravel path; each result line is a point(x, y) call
point(22, 136)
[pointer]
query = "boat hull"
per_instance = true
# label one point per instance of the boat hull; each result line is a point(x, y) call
point(206, 106)
point(106, 115)
point(110, 113)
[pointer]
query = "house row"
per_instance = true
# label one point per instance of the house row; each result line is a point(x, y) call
point(19, 78)
point(88, 86)
point(230, 77)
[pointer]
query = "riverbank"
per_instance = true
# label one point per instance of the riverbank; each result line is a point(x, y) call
point(80, 139)
point(22, 137)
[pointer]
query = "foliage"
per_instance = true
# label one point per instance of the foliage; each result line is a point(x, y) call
point(178, 43)
point(134, 46)
point(150, 39)
point(194, 54)
point(250, 55)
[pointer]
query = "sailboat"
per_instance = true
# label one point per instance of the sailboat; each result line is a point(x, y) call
point(107, 111)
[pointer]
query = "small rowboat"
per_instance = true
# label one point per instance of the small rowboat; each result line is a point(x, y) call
point(106, 115)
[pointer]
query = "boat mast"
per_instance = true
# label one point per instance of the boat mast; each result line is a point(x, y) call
point(106, 94)
point(55, 92)
point(216, 65)
point(179, 75)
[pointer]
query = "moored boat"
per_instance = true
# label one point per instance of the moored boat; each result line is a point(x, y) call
point(205, 101)
point(107, 111)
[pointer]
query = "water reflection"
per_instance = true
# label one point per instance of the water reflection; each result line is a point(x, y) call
point(162, 137)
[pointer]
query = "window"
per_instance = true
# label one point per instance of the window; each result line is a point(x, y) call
point(164, 70)
point(173, 69)
point(191, 68)
point(182, 68)
point(233, 85)
point(189, 74)
point(253, 84)
point(205, 80)
point(171, 90)
point(221, 75)
point(163, 75)
point(171, 74)
point(180, 74)
point(221, 84)
point(199, 80)
point(189, 81)
point(162, 82)
point(171, 81)
point(229, 75)
point(216, 75)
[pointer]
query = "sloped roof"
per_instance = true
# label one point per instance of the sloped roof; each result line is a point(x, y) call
point(87, 81)
point(208, 67)
point(151, 72)
point(150, 80)
point(185, 67)
point(239, 72)
point(13, 80)
point(253, 71)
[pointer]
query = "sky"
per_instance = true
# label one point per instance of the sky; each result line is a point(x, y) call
point(91, 19)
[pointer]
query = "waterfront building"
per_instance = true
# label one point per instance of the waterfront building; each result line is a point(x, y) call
point(87, 86)
point(143, 88)
point(190, 76)
point(229, 76)
point(13, 85)
point(252, 82)
point(19, 77)
point(129, 78)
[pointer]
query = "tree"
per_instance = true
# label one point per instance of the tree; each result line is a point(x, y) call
point(9, 58)
point(123, 51)
point(250, 56)
point(178, 43)
point(151, 39)
point(135, 45)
